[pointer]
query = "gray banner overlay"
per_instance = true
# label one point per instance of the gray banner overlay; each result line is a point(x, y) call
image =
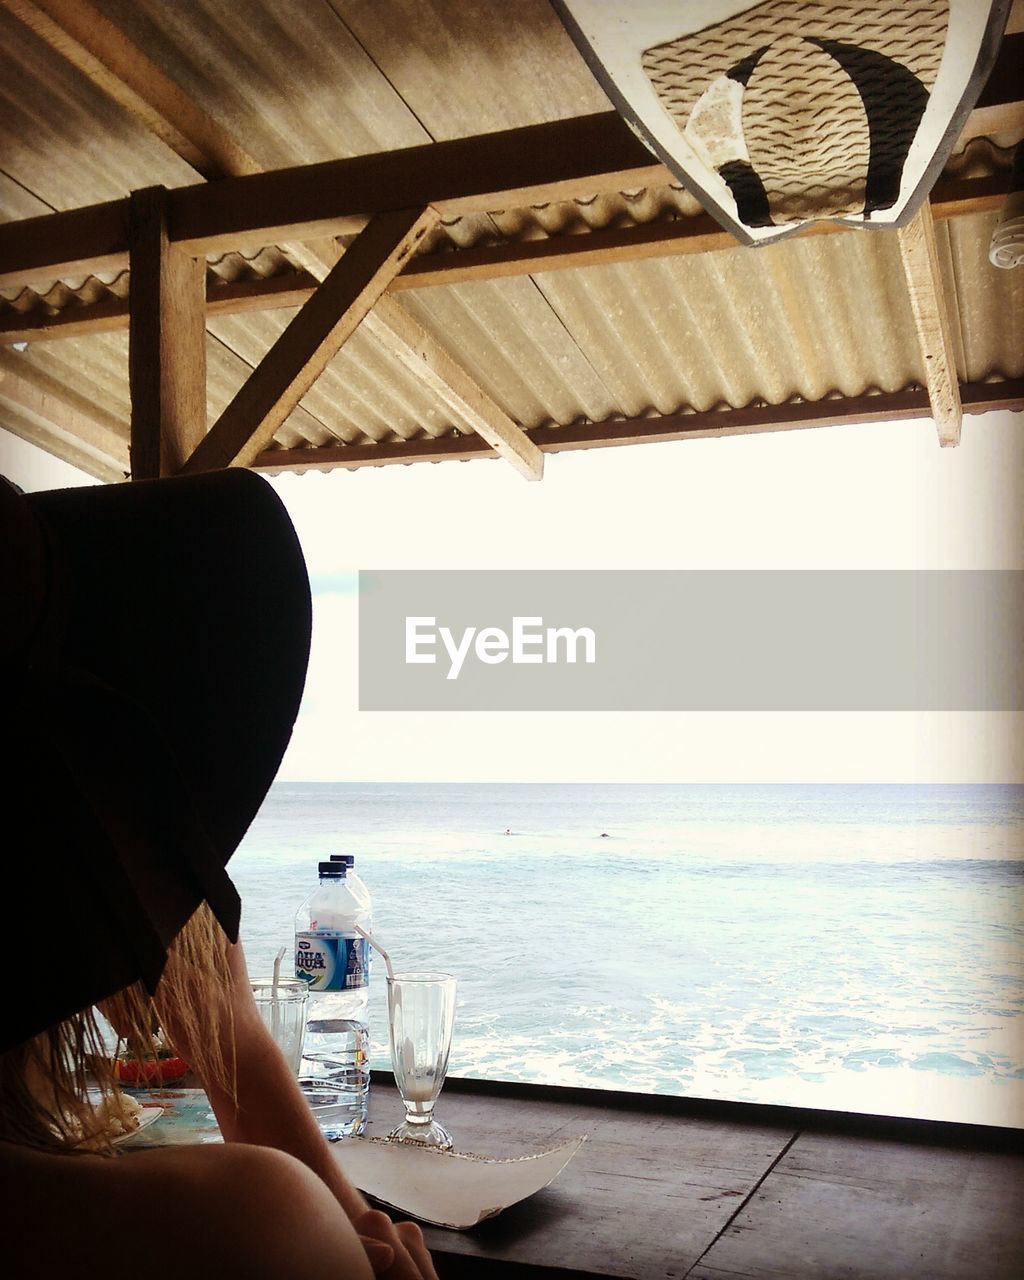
point(691, 641)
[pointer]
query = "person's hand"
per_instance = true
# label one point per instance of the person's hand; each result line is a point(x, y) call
point(396, 1250)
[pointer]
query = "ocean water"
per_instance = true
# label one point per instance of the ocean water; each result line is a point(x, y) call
point(851, 947)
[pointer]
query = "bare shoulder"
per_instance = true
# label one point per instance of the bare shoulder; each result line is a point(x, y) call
point(235, 1209)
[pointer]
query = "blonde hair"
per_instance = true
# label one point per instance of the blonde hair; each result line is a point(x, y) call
point(57, 1088)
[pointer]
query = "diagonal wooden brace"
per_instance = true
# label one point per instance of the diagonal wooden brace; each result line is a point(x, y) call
point(311, 340)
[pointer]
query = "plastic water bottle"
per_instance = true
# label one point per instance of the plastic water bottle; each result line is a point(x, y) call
point(354, 882)
point(335, 961)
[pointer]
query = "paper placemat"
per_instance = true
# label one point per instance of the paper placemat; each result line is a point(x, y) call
point(446, 1188)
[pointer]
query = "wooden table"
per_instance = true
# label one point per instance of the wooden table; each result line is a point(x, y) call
point(666, 1188)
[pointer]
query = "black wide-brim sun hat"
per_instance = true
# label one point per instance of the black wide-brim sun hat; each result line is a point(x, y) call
point(154, 642)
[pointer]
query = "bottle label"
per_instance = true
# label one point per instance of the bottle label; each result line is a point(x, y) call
point(330, 961)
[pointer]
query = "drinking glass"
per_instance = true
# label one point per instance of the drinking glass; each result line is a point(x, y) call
point(284, 1012)
point(421, 1014)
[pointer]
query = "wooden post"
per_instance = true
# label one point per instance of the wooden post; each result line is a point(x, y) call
point(166, 342)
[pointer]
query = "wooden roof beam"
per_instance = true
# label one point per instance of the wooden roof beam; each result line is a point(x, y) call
point(518, 167)
point(698, 234)
point(931, 320)
point(538, 164)
point(311, 340)
point(982, 397)
point(581, 157)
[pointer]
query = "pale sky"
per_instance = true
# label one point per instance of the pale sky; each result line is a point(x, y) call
point(880, 496)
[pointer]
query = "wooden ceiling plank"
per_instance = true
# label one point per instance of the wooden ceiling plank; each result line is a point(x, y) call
point(100, 50)
point(311, 340)
point(470, 405)
point(897, 406)
point(931, 320)
point(166, 343)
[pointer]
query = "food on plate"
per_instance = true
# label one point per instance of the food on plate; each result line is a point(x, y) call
point(114, 1116)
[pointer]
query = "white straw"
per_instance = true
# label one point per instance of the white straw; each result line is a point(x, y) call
point(377, 947)
point(277, 972)
point(275, 1012)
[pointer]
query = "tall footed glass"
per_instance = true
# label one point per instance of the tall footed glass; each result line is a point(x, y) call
point(421, 1015)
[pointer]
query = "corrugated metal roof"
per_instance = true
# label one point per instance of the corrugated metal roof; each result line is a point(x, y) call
point(807, 318)
point(988, 303)
point(288, 79)
point(62, 140)
point(804, 318)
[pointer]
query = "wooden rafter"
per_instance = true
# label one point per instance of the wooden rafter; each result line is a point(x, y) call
point(931, 320)
point(166, 343)
point(311, 340)
point(898, 406)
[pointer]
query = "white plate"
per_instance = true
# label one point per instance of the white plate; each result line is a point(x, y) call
point(147, 1116)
